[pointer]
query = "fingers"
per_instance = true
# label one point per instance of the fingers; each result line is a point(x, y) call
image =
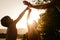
point(25, 2)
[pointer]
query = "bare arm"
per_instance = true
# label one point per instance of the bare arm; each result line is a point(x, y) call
point(20, 16)
point(28, 14)
point(37, 6)
point(28, 18)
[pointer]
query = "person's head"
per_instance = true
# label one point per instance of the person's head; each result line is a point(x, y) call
point(5, 21)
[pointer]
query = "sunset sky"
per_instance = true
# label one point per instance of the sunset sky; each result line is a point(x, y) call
point(11, 7)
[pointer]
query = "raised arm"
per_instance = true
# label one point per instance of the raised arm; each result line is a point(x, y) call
point(28, 14)
point(30, 5)
point(37, 6)
point(29, 11)
point(21, 15)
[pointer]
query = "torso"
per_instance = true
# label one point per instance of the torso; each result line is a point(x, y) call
point(12, 32)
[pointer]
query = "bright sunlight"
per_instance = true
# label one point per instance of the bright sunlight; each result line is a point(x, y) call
point(34, 16)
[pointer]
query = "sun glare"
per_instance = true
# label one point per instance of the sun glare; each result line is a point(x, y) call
point(34, 16)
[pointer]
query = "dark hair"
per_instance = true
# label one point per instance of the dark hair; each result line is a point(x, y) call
point(5, 21)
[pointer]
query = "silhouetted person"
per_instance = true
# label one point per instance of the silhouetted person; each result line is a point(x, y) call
point(11, 25)
point(50, 20)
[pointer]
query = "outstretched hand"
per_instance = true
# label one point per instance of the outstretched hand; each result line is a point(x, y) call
point(26, 3)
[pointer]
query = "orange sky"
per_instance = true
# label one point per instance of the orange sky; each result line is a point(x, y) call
point(13, 8)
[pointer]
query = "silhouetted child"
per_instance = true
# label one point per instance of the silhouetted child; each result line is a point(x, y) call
point(11, 25)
